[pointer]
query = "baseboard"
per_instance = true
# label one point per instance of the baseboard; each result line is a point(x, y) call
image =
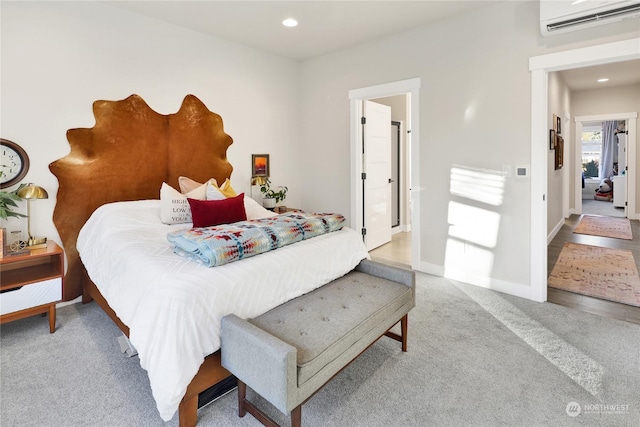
point(509, 288)
point(555, 231)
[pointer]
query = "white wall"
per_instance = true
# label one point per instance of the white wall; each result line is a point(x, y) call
point(59, 57)
point(560, 105)
point(475, 113)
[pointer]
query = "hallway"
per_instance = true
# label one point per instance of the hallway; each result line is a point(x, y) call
point(398, 252)
point(597, 306)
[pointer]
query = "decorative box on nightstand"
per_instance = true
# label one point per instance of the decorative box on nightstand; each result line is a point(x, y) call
point(31, 283)
point(284, 209)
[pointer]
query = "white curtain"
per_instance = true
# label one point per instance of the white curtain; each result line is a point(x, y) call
point(609, 147)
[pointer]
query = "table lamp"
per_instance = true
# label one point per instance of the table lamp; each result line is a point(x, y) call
point(256, 183)
point(33, 192)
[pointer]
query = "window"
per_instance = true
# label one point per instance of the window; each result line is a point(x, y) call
point(591, 149)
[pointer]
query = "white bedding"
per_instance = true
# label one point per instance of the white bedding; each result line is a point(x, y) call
point(173, 306)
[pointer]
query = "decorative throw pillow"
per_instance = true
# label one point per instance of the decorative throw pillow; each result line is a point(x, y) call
point(213, 192)
point(174, 208)
point(255, 210)
point(226, 189)
point(206, 213)
point(187, 184)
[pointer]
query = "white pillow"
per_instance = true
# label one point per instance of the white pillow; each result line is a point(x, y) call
point(174, 207)
point(212, 191)
point(187, 184)
point(255, 211)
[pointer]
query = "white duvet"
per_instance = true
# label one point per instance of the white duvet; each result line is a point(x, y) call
point(173, 306)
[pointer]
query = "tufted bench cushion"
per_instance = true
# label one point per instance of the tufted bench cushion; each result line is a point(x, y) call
point(324, 323)
point(288, 353)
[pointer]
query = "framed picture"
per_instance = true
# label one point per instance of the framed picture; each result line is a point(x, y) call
point(554, 123)
point(559, 157)
point(558, 125)
point(259, 165)
point(552, 139)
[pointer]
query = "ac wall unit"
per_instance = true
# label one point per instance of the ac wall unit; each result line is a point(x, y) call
point(563, 16)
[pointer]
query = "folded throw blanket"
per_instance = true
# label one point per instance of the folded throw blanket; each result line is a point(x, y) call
point(222, 244)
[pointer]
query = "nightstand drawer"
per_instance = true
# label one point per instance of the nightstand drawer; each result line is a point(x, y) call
point(31, 295)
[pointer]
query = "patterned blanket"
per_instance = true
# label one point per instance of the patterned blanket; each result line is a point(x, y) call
point(222, 244)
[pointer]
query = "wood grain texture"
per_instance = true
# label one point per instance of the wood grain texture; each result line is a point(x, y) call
point(583, 302)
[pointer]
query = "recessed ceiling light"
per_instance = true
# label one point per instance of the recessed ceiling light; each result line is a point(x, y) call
point(603, 80)
point(290, 22)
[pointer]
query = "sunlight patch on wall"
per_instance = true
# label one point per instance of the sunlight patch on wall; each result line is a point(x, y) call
point(486, 186)
point(467, 257)
point(473, 223)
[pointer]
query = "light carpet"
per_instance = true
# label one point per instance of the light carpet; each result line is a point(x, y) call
point(605, 273)
point(605, 226)
point(475, 358)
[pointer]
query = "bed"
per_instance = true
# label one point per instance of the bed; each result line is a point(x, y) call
point(169, 306)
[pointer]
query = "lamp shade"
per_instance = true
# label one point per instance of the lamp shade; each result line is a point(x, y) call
point(32, 191)
point(258, 180)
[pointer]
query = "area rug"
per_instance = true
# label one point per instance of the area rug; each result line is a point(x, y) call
point(605, 226)
point(605, 273)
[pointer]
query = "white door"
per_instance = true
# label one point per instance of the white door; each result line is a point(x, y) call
point(377, 169)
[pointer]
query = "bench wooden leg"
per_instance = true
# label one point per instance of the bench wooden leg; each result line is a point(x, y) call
point(242, 394)
point(403, 327)
point(245, 406)
point(404, 322)
point(296, 416)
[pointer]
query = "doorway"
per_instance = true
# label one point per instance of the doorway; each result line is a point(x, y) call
point(540, 66)
point(589, 200)
point(410, 89)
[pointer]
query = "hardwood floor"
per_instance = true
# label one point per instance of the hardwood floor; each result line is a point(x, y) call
point(398, 252)
point(582, 302)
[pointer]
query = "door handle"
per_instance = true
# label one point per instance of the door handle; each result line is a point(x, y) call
point(391, 180)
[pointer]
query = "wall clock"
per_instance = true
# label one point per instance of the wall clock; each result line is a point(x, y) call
point(14, 163)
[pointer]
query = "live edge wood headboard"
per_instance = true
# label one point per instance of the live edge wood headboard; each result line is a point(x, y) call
point(127, 155)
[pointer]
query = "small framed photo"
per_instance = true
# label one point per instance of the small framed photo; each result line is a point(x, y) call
point(558, 125)
point(552, 139)
point(259, 165)
point(559, 155)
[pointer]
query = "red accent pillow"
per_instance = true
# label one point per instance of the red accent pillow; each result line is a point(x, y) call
point(206, 213)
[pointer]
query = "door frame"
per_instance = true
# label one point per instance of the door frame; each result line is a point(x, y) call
point(631, 128)
point(540, 67)
point(399, 180)
point(356, 96)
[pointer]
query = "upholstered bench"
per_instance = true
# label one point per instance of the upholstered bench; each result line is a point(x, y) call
point(288, 353)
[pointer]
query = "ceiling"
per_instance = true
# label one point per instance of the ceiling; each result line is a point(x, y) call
point(326, 26)
point(619, 73)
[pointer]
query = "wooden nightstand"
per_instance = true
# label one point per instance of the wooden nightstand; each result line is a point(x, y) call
point(31, 284)
point(284, 209)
